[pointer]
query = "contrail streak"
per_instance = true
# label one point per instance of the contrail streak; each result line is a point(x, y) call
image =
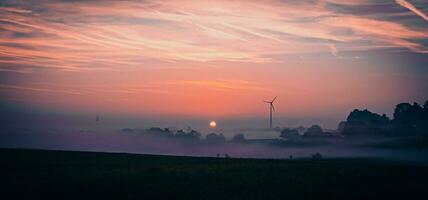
point(412, 8)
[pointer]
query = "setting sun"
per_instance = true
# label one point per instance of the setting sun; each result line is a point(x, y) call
point(213, 124)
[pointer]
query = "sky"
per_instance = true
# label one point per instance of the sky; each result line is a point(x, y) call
point(185, 63)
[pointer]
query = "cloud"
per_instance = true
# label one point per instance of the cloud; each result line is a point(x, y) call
point(40, 89)
point(333, 50)
point(14, 10)
point(230, 85)
point(412, 8)
point(84, 35)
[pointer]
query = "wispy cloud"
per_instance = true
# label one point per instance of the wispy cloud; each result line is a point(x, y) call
point(231, 85)
point(14, 10)
point(41, 89)
point(333, 50)
point(412, 8)
point(87, 89)
point(115, 35)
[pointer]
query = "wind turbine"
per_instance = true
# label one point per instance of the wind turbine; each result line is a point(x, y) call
point(271, 107)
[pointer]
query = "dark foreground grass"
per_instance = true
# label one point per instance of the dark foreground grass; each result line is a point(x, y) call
point(38, 174)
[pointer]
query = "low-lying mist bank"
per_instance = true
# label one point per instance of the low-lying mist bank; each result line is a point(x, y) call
point(406, 149)
point(403, 137)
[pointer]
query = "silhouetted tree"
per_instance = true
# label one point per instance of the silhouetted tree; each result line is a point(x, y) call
point(195, 134)
point(192, 135)
point(289, 133)
point(364, 122)
point(408, 120)
point(238, 138)
point(314, 131)
point(155, 129)
point(158, 132)
point(411, 118)
point(167, 132)
point(214, 138)
point(180, 133)
point(301, 129)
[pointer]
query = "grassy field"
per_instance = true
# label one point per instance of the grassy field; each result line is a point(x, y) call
point(75, 175)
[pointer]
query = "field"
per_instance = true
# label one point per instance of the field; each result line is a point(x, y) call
point(32, 174)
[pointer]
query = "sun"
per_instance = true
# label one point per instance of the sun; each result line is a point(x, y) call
point(213, 124)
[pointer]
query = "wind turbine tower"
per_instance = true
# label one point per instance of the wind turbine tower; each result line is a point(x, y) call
point(271, 108)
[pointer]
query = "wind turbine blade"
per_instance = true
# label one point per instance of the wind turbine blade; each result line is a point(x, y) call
point(273, 107)
point(266, 101)
point(274, 99)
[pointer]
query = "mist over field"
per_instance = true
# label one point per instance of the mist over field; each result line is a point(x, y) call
point(363, 134)
point(141, 142)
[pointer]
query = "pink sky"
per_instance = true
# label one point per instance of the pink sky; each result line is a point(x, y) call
point(213, 59)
